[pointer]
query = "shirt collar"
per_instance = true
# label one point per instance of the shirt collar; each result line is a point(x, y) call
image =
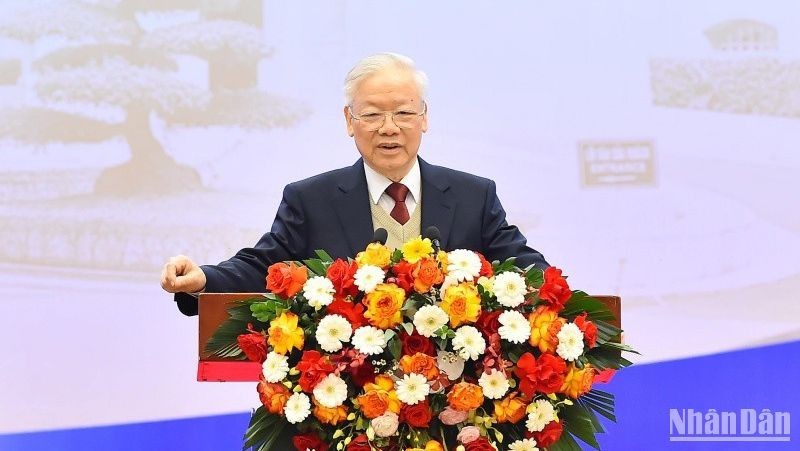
point(377, 183)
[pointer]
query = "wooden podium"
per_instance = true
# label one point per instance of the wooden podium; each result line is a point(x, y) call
point(213, 311)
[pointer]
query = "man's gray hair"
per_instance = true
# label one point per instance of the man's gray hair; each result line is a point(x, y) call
point(378, 62)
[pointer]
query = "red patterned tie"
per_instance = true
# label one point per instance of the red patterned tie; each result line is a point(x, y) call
point(398, 192)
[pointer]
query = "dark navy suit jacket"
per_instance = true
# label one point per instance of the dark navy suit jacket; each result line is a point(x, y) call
point(331, 211)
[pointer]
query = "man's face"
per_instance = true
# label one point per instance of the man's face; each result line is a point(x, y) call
point(389, 150)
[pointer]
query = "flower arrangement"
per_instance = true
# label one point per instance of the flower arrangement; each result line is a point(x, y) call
point(420, 349)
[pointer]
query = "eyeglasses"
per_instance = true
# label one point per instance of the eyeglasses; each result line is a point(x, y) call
point(402, 118)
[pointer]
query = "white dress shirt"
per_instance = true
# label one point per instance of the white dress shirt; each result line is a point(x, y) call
point(377, 184)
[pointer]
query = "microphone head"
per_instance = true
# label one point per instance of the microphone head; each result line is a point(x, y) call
point(380, 236)
point(432, 233)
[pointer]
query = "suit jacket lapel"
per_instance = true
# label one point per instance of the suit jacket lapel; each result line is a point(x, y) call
point(438, 207)
point(351, 202)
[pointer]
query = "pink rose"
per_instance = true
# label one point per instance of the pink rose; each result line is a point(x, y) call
point(450, 416)
point(468, 434)
point(386, 424)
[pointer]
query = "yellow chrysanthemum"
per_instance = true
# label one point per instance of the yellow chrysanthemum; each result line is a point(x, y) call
point(461, 303)
point(376, 255)
point(284, 334)
point(416, 249)
point(384, 304)
point(442, 258)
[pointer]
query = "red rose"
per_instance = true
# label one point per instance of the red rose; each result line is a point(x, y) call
point(254, 346)
point(489, 322)
point(418, 415)
point(352, 312)
point(549, 435)
point(604, 376)
point(555, 290)
point(480, 444)
point(550, 373)
point(403, 275)
point(362, 374)
point(486, 266)
point(526, 373)
point(342, 275)
point(286, 280)
point(313, 368)
point(360, 443)
point(415, 343)
point(309, 441)
point(588, 328)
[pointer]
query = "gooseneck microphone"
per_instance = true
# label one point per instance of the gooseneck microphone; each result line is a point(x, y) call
point(380, 236)
point(432, 233)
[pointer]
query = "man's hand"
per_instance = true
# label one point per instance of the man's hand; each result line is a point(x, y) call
point(182, 275)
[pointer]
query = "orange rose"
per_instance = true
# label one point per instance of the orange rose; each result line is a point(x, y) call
point(427, 274)
point(273, 396)
point(421, 364)
point(286, 280)
point(578, 381)
point(332, 416)
point(379, 398)
point(545, 324)
point(510, 409)
point(465, 396)
point(384, 304)
point(462, 304)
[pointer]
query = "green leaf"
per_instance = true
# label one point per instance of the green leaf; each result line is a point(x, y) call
point(507, 265)
point(263, 430)
point(394, 346)
point(324, 256)
point(534, 277)
point(579, 423)
point(581, 302)
point(397, 255)
point(565, 443)
point(408, 327)
point(316, 266)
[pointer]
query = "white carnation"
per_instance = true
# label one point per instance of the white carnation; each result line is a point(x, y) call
point(332, 331)
point(469, 343)
point(463, 265)
point(430, 318)
point(369, 340)
point(412, 388)
point(527, 444)
point(368, 277)
point(540, 413)
point(331, 391)
point(297, 408)
point(570, 342)
point(510, 289)
point(514, 328)
point(275, 367)
point(494, 384)
point(319, 291)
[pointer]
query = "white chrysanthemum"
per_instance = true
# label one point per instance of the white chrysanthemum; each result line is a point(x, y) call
point(332, 330)
point(319, 291)
point(463, 265)
point(527, 444)
point(412, 388)
point(570, 342)
point(297, 408)
point(494, 384)
point(469, 343)
point(429, 319)
point(514, 328)
point(368, 277)
point(275, 367)
point(510, 289)
point(540, 413)
point(369, 340)
point(331, 391)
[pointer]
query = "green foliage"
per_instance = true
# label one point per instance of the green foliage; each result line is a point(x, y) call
point(267, 310)
point(263, 430)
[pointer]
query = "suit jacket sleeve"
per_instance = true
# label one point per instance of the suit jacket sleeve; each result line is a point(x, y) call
point(246, 271)
point(502, 240)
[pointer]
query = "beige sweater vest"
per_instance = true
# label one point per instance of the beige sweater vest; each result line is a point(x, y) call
point(398, 233)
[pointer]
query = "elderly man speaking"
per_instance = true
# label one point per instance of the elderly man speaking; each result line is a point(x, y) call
point(389, 187)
